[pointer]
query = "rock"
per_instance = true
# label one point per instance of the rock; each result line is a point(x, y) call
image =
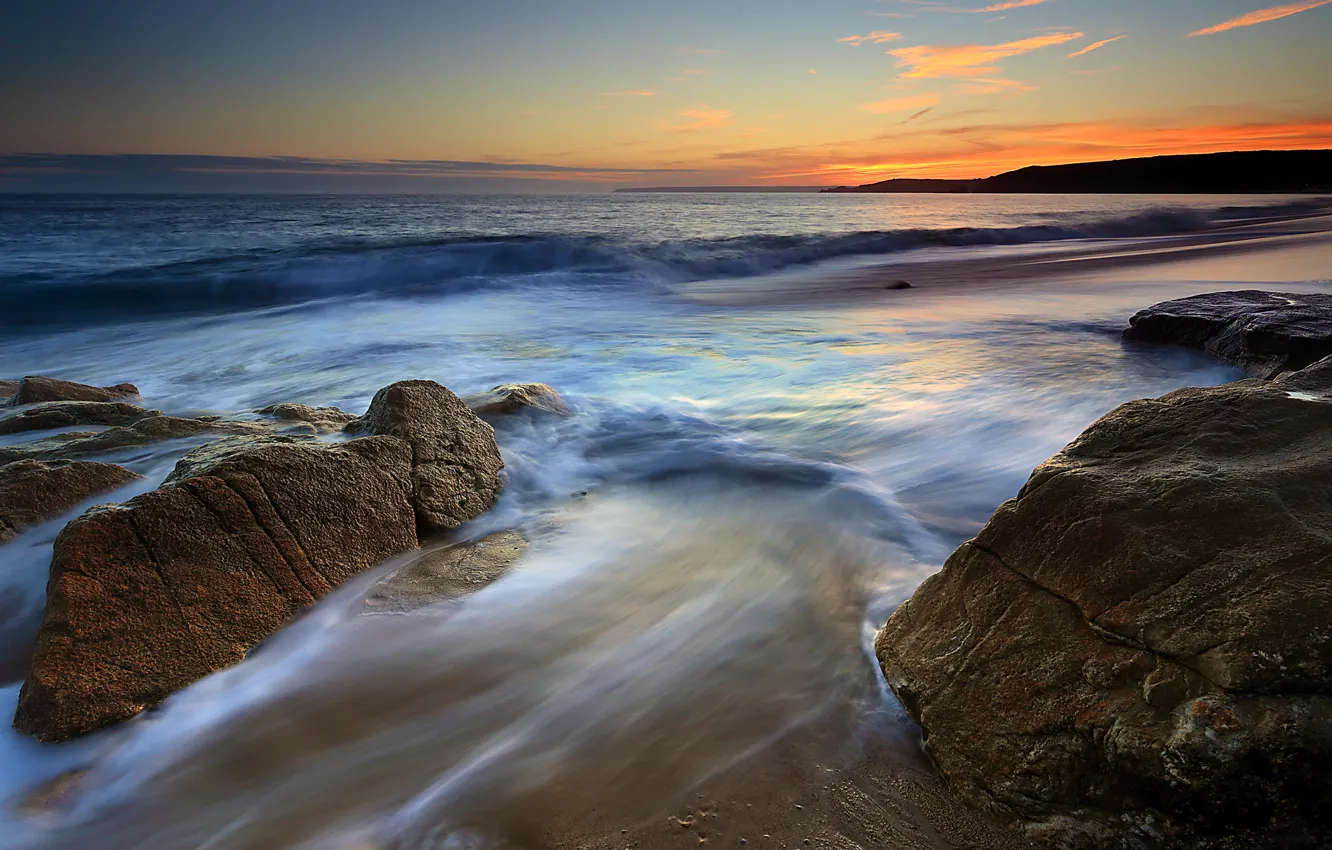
point(68, 414)
point(7, 388)
point(1137, 651)
point(47, 448)
point(898, 284)
point(455, 462)
point(32, 492)
point(35, 388)
point(151, 595)
point(154, 430)
point(1264, 332)
point(514, 398)
point(324, 419)
point(447, 573)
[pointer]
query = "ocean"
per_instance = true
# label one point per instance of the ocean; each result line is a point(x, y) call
point(722, 466)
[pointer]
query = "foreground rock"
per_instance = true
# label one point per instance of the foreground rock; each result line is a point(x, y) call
point(508, 399)
point(1264, 332)
point(146, 597)
point(32, 492)
point(1137, 651)
point(71, 414)
point(35, 388)
point(455, 462)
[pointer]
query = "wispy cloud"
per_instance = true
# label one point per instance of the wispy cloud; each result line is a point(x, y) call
point(629, 93)
point(877, 37)
point(1098, 45)
point(1011, 4)
point(901, 104)
point(700, 118)
point(919, 114)
point(970, 60)
point(1262, 16)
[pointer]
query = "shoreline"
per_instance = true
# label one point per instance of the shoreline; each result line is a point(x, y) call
point(1012, 266)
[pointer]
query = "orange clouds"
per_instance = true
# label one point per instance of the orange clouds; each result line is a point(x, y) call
point(1262, 16)
point(970, 60)
point(1098, 45)
point(988, 149)
point(701, 118)
point(630, 93)
point(901, 104)
point(877, 37)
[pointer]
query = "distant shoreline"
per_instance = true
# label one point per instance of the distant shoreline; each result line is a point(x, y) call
point(1236, 173)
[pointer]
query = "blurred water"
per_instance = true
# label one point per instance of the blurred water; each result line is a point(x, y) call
point(763, 486)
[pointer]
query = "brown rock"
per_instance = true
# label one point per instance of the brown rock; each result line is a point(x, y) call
point(1137, 651)
point(325, 419)
point(35, 388)
point(8, 388)
point(68, 414)
point(151, 595)
point(447, 573)
point(32, 492)
point(47, 448)
point(153, 430)
point(507, 399)
point(455, 462)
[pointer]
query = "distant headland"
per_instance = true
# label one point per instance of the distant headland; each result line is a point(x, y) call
point(1245, 172)
point(1241, 172)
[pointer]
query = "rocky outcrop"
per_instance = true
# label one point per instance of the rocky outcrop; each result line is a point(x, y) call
point(1136, 652)
point(153, 594)
point(455, 462)
point(35, 388)
point(508, 399)
point(70, 414)
point(1264, 332)
point(324, 419)
point(154, 429)
point(32, 492)
point(7, 390)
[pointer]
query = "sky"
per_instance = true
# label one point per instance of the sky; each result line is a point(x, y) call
point(591, 95)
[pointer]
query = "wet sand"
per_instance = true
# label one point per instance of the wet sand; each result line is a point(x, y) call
point(967, 270)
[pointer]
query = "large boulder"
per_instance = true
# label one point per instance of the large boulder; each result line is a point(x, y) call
point(32, 492)
point(1136, 652)
point(70, 414)
point(455, 462)
point(508, 399)
point(1264, 332)
point(148, 596)
point(35, 388)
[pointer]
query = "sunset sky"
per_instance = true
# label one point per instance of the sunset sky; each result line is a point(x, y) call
point(577, 95)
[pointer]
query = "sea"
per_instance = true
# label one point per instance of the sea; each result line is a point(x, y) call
point(739, 498)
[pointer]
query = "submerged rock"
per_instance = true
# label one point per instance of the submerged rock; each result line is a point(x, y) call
point(1137, 650)
point(35, 388)
point(68, 414)
point(515, 398)
point(326, 419)
point(151, 595)
point(32, 492)
point(1264, 332)
point(447, 573)
point(47, 448)
point(455, 462)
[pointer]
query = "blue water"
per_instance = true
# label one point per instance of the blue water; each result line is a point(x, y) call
point(885, 431)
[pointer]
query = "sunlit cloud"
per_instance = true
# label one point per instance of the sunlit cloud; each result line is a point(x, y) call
point(877, 37)
point(700, 118)
point(919, 114)
point(970, 60)
point(1011, 4)
point(1262, 16)
point(695, 72)
point(1098, 45)
point(812, 71)
point(901, 104)
point(629, 93)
